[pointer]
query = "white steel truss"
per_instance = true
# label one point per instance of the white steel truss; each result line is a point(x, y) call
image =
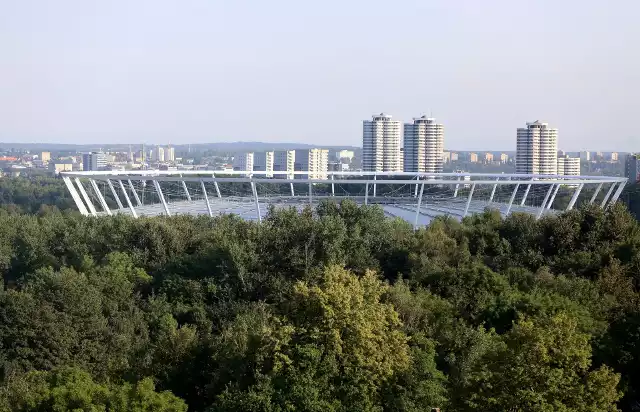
point(415, 197)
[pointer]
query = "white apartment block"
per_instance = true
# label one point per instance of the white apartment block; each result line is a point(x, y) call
point(284, 161)
point(537, 149)
point(243, 162)
point(170, 155)
point(423, 145)
point(314, 161)
point(263, 162)
point(569, 166)
point(381, 144)
point(158, 154)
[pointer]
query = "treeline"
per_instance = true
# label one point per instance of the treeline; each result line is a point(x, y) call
point(339, 309)
point(34, 194)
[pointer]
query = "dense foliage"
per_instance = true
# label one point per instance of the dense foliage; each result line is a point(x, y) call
point(34, 194)
point(631, 197)
point(340, 309)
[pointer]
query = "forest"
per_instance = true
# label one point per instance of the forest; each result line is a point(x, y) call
point(333, 309)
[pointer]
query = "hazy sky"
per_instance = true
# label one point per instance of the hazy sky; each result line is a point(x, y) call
point(178, 71)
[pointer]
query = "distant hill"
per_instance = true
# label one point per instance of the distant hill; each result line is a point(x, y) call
point(257, 146)
point(196, 147)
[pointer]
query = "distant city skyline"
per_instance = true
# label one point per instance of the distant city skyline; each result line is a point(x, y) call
point(264, 146)
point(167, 71)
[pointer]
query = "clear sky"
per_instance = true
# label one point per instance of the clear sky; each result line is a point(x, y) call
point(179, 71)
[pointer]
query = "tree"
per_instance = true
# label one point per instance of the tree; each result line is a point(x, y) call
point(67, 389)
point(542, 365)
point(337, 350)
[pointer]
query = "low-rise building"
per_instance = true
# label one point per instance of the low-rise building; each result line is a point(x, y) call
point(345, 155)
point(284, 161)
point(94, 161)
point(569, 166)
point(60, 167)
point(243, 162)
point(263, 162)
point(314, 161)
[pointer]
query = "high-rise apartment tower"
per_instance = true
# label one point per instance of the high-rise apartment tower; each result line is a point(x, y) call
point(381, 144)
point(537, 149)
point(423, 145)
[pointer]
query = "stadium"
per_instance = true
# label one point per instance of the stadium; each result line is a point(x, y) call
point(414, 197)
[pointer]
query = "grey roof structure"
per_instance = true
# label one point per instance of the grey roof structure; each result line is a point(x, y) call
point(415, 197)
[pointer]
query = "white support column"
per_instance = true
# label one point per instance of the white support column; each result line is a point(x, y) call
point(466, 209)
point(574, 198)
point(493, 191)
point(606, 198)
point(513, 197)
point(83, 192)
point(617, 194)
point(103, 202)
point(135, 194)
point(215, 183)
point(310, 194)
point(595, 194)
point(366, 193)
point(526, 193)
point(553, 196)
point(156, 184)
point(415, 194)
point(255, 196)
point(415, 223)
point(206, 198)
point(374, 185)
point(333, 186)
point(544, 202)
point(455, 192)
point(292, 193)
point(74, 195)
point(186, 191)
point(115, 194)
point(126, 197)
